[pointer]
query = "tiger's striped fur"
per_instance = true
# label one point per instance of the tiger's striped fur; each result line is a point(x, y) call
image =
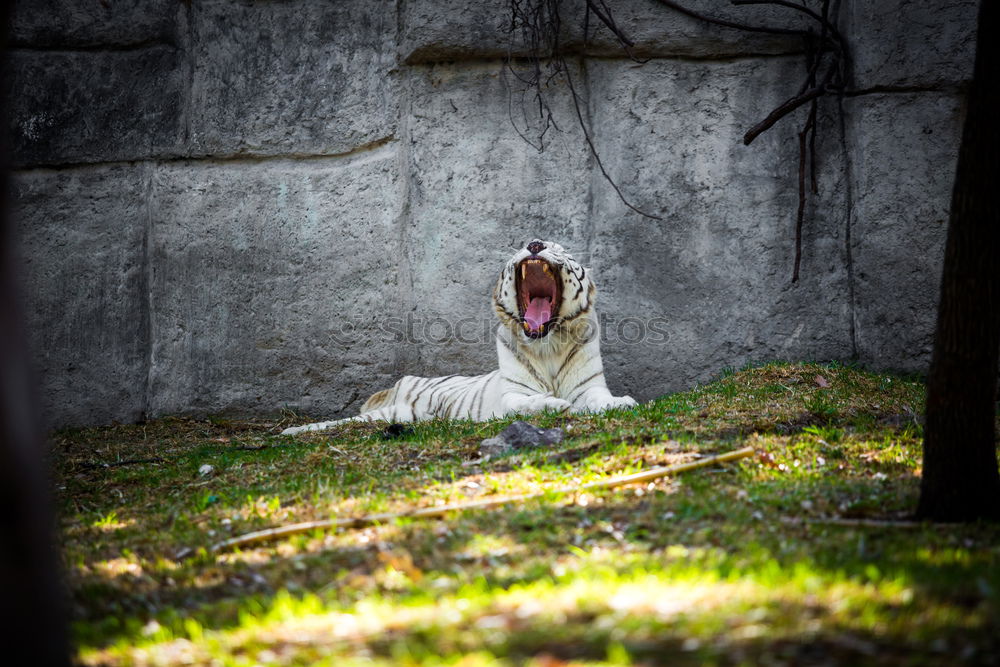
point(557, 368)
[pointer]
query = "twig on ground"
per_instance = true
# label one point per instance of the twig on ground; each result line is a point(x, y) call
point(252, 448)
point(126, 462)
point(437, 512)
point(851, 523)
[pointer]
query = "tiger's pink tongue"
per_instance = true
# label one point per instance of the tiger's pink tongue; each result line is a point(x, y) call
point(538, 312)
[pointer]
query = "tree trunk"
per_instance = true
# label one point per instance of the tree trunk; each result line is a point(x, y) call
point(960, 479)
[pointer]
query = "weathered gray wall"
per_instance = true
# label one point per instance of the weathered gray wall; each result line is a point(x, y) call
point(222, 201)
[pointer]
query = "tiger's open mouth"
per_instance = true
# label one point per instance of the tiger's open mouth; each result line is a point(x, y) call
point(539, 294)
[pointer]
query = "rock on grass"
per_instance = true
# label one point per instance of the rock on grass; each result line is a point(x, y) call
point(520, 435)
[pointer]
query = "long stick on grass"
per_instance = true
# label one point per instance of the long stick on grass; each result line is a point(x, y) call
point(441, 510)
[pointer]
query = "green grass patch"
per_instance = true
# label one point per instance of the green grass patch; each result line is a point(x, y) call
point(800, 554)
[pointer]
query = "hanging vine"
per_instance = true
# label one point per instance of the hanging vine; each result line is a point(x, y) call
point(536, 28)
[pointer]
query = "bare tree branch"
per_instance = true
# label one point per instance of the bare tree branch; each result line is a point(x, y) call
point(604, 14)
point(810, 126)
point(783, 110)
point(539, 23)
point(820, 18)
point(597, 158)
point(730, 24)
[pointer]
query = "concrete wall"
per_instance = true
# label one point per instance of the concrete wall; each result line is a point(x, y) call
point(225, 203)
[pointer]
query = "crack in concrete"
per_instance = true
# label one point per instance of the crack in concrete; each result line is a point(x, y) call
point(147, 287)
point(144, 45)
point(362, 150)
point(591, 166)
point(849, 221)
point(405, 285)
point(955, 89)
point(570, 53)
point(186, 33)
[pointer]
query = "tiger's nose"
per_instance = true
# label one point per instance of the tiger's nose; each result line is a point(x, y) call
point(536, 247)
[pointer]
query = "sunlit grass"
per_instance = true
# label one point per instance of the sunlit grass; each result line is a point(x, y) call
point(769, 559)
point(588, 596)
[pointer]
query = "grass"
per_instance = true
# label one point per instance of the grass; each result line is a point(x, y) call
point(778, 558)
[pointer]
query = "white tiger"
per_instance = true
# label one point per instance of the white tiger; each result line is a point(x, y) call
point(548, 348)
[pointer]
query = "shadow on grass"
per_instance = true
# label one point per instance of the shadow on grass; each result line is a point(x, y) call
point(688, 576)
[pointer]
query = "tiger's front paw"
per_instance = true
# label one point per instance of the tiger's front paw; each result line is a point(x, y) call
point(624, 402)
point(602, 403)
point(543, 403)
point(534, 404)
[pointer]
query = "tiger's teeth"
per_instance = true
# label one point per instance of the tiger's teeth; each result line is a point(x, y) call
point(545, 267)
point(524, 272)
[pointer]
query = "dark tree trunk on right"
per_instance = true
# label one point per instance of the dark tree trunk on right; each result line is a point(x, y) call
point(960, 479)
